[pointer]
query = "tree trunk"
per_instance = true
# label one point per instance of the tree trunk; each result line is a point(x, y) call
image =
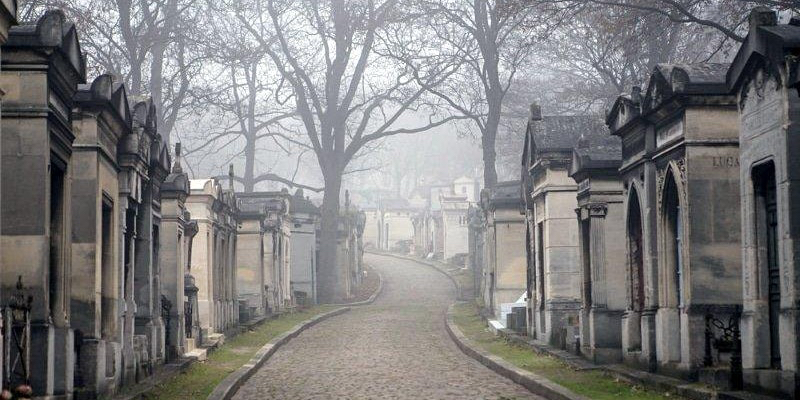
point(249, 165)
point(488, 139)
point(330, 280)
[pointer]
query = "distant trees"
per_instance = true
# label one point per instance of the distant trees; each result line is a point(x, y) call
point(485, 39)
point(345, 92)
point(606, 46)
point(246, 113)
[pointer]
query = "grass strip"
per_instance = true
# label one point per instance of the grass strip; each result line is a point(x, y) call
point(593, 384)
point(201, 378)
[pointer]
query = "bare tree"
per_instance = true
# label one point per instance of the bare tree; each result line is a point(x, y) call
point(346, 94)
point(150, 45)
point(241, 96)
point(483, 37)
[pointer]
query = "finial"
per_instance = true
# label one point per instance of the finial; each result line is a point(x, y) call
point(230, 177)
point(583, 142)
point(636, 94)
point(762, 16)
point(176, 166)
point(536, 112)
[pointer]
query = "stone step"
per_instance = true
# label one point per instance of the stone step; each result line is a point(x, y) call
point(199, 354)
point(495, 326)
point(214, 340)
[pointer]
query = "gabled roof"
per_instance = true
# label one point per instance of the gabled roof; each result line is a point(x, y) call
point(597, 151)
point(767, 44)
point(300, 204)
point(502, 194)
point(104, 92)
point(278, 201)
point(144, 115)
point(52, 30)
point(561, 133)
point(668, 80)
point(626, 108)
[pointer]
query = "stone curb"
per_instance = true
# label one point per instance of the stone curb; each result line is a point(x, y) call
point(651, 381)
point(366, 302)
point(231, 384)
point(423, 262)
point(536, 384)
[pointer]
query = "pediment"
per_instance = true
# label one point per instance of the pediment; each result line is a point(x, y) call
point(53, 30)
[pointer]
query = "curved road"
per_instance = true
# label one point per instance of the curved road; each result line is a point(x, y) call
point(395, 348)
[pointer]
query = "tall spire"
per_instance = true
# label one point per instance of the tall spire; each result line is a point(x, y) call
point(176, 166)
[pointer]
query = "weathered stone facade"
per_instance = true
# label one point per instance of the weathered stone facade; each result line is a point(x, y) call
point(86, 232)
point(396, 226)
point(143, 165)
point(177, 232)
point(595, 169)
point(266, 225)
point(454, 225)
point(305, 223)
point(42, 66)
point(503, 278)
point(8, 18)
point(101, 118)
point(213, 257)
point(680, 143)
point(351, 247)
point(250, 261)
point(554, 259)
point(764, 79)
point(423, 232)
point(278, 249)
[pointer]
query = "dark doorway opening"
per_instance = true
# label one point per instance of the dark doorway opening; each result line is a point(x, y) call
point(766, 216)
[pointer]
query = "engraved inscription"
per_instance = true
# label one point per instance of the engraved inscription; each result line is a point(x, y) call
point(669, 132)
point(725, 162)
point(763, 118)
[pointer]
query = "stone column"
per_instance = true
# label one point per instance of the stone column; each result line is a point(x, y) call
point(202, 270)
point(143, 282)
point(597, 214)
point(173, 256)
point(650, 259)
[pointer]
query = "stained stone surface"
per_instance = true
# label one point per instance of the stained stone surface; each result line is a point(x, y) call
point(395, 348)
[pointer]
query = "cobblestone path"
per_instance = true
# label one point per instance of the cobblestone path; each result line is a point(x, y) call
point(396, 348)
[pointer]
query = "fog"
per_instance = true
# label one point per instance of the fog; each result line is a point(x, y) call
point(382, 96)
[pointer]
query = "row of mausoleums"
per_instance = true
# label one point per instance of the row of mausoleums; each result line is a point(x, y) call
point(113, 261)
point(662, 242)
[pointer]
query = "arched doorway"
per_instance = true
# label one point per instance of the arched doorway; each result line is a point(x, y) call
point(674, 274)
point(636, 263)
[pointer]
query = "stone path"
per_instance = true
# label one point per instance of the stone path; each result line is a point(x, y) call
point(396, 348)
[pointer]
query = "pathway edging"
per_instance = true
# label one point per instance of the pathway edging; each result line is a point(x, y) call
point(368, 301)
point(536, 384)
point(228, 387)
